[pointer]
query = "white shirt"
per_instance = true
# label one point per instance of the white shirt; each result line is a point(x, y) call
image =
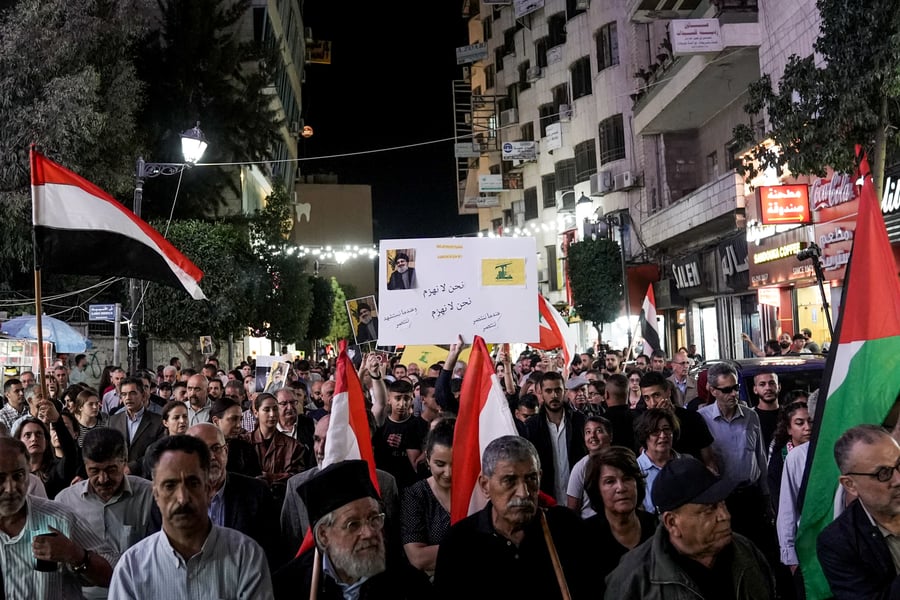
point(561, 459)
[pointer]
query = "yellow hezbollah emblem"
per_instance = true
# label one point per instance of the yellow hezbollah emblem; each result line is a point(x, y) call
point(503, 271)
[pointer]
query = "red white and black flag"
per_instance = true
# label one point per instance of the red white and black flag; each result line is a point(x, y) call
point(81, 230)
point(648, 323)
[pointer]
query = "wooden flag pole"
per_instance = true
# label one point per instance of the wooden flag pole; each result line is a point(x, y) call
point(554, 558)
point(40, 333)
point(316, 575)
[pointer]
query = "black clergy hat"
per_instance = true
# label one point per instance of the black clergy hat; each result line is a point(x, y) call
point(336, 485)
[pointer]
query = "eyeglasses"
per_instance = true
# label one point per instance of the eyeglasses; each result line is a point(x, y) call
point(660, 431)
point(354, 526)
point(727, 390)
point(287, 403)
point(883, 474)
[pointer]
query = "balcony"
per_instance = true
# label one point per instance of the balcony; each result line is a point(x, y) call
point(708, 211)
point(644, 11)
point(696, 87)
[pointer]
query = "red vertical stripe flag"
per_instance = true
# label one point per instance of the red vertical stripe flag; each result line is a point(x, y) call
point(81, 230)
point(348, 435)
point(554, 331)
point(484, 416)
point(862, 374)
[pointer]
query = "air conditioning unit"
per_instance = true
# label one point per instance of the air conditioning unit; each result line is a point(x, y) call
point(601, 183)
point(624, 181)
point(565, 113)
point(533, 74)
point(582, 4)
point(508, 117)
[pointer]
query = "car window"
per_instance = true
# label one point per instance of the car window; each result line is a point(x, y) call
point(808, 379)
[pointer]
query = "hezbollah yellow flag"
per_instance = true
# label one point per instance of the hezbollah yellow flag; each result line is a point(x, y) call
point(424, 356)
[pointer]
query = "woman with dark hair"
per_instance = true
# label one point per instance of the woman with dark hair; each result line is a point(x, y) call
point(74, 429)
point(656, 432)
point(55, 473)
point(425, 505)
point(634, 388)
point(280, 455)
point(106, 383)
point(175, 417)
point(225, 414)
point(597, 436)
point(87, 411)
point(615, 486)
point(794, 427)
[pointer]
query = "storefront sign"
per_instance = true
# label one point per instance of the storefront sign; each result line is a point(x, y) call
point(828, 193)
point(734, 264)
point(780, 204)
point(490, 183)
point(774, 262)
point(519, 151)
point(553, 138)
point(471, 53)
point(687, 275)
point(695, 36)
point(770, 296)
point(771, 254)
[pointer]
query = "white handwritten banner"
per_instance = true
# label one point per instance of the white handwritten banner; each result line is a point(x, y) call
point(433, 289)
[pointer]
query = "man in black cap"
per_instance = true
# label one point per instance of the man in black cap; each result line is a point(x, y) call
point(347, 521)
point(694, 553)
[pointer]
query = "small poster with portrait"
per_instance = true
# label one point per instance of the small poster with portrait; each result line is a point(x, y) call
point(401, 269)
point(278, 373)
point(363, 313)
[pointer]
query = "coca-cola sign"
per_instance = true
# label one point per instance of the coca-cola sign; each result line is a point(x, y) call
point(827, 193)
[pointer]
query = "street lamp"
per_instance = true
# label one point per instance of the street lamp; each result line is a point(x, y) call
point(583, 210)
point(619, 219)
point(193, 145)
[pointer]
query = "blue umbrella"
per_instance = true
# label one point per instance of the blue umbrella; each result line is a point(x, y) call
point(65, 338)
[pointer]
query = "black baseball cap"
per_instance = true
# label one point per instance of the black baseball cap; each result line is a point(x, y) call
point(685, 480)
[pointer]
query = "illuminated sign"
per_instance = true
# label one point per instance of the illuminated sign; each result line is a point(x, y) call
point(778, 253)
point(782, 204)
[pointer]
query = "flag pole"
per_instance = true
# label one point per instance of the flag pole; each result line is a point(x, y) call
point(38, 308)
point(316, 574)
point(554, 558)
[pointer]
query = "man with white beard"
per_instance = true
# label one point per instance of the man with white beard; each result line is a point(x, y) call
point(351, 560)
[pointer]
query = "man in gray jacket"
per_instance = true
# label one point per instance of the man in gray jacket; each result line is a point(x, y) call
point(693, 554)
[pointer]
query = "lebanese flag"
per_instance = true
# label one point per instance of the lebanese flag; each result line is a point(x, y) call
point(81, 230)
point(862, 373)
point(484, 416)
point(649, 333)
point(554, 331)
point(348, 435)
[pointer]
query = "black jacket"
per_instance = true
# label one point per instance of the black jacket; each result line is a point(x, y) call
point(856, 559)
point(538, 433)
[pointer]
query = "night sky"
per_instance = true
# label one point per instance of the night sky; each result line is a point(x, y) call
point(389, 84)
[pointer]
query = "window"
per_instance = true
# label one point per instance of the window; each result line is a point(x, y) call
point(527, 131)
point(581, 77)
point(560, 96)
point(585, 160)
point(512, 94)
point(524, 84)
point(548, 115)
point(565, 176)
point(607, 47)
point(509, 41)
point(498, 58)
point(557, 29)
point(487, 28)
point(552, 275)
point(712, 166)
point(540, 51)
point(489, 76)
point(518, 213)
point(531, 205)
point(612, 139)
point(548, 189)
point(572, 8)
point(505, 103)
point(731, 154)
point(496, 224)
point(494, 169)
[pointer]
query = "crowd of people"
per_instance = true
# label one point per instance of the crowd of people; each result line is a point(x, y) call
point(623, 481)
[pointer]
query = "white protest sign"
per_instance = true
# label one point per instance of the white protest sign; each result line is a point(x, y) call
point(432, 290)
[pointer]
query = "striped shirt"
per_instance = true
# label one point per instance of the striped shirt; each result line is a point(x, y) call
point(10, 415)
point(20, 579)
point(229, 565)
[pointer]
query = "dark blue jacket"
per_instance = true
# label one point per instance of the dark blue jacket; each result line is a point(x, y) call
point(856, 559)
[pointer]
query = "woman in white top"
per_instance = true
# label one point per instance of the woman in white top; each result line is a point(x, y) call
point(597, 436)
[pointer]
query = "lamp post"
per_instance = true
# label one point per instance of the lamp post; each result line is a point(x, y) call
point(583, 210)
point(619, 219)
point(193, 144)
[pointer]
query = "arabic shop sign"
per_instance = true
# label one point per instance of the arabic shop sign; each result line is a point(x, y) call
point(784, 204)
point(734, 266)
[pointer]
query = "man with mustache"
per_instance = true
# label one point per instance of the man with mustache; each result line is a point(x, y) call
point(347, 520)
point(81, 554)
point(694, 553)
point(508, 536)
point(190, 558)
point(109, 502)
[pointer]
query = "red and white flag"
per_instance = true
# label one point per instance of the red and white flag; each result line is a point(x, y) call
point(649, 332)
point(484, 416)
point(81, 230)
point(348, 435)
point(554, 331)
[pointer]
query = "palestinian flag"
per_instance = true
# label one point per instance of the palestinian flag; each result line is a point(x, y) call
point(81, 230)
point(862, 375)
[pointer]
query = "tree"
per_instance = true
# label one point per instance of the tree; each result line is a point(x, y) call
point(198, 68)
point(595, 277)
point(322, 309)
point(234, 281)
point(68, 85)
point(826, 104)
point(340, 321)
